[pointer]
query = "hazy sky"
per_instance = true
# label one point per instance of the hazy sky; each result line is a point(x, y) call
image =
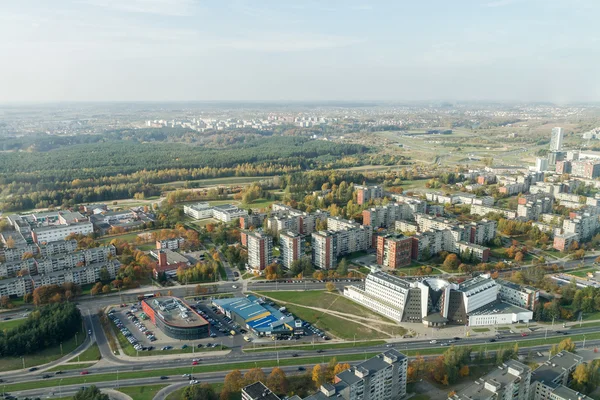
point(87, 50)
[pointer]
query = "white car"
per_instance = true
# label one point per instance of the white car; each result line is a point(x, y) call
point(433, 341)
point(194, 382)
point(234, 286)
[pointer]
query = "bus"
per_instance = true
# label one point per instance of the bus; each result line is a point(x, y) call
point(145, 296)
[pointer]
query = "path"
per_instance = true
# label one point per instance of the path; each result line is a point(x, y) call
point(164, 392)
point(115, 394)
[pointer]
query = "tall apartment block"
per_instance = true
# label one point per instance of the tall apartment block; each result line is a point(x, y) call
point(366, 193)
point(290, 244)
point(260, 249)
point(382, 377)
point(556, 139)
point(394, 251)
point(324, 254)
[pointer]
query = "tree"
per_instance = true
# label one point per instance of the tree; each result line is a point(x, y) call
point(581, 375)
point(254, 375)
point(106, 289)
point(277, 381)
point(342, 268)
point(233, 381)
point(464, 371)
point(451, 262)
point(567, 345)
point(318, 375)
point(5, 302)
point(199, 392)
point(330, 286)
point(90, 393)
point(519, 256)
point(340, 368)
point(104, 275)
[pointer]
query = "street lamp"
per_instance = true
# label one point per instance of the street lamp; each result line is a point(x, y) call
point(60, 388)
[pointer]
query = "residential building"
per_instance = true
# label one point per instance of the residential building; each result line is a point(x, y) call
point(254, 220)
point(394, 250)
point(541, 164)
point(366, 193)
point(324, 249)
point(588, 169)
point(552, 375)
point(258, 391)
point(53, 233)
point(477, 209)
point(260, 249)
point(556, 139)
point(170, 244)
point(509, 381)
point(224, 212)
point(290, 244)
point(382, 377)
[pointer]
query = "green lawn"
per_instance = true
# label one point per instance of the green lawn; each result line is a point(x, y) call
point(91, 354)
point(145, 392)
point(177, 395)
point(146, 247)
point(12, 323)
point(326, 346)
point(42, 357)
point(480, 329)
point(582, 273)
point(218, 181)
point(71, 367)
point(258, 203)
point(128, 237)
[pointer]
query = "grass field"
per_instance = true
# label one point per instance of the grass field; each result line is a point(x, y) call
point(91, 354)
point(128, 237)
point(325, 346)
point(11, 324)
point(480, 330)
point(72, 367)
point(231, 180)
point(582, 273)
point(42, 357)
point(218, 387)
point(146, 392)
point(258, 203)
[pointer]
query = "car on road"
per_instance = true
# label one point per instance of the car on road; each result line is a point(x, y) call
point(524, 334)
point(492, 340)
point(320, 351)
point(295, 355)
point(185, 346)
point(199, 345)
point(443, 344)
point(164, 377)
point(7, 318)
point(433, 341)
point(234, 287)
point(33, 369)
point(186, 375)
point(301, 369)
point(46, 376)
point(456, 338)
point(194, 382)
point(84, 372)
point(194, 362)
point(58, 373)
point(89, 331)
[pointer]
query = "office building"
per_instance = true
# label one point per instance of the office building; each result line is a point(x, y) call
point(436, 302)
point(53, 233)
point(224, 212)
point(170, 244)
point(556, 139)
point(290, 244)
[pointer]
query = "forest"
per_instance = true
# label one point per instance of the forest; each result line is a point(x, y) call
point(45, 327)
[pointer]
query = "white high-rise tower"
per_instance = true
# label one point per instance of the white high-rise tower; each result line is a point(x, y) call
point(556, 139)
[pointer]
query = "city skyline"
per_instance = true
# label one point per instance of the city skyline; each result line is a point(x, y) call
point(186, 50)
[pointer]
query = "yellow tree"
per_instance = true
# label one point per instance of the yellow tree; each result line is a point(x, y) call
point(277, 381)
point(318, 376)
point(233, 381)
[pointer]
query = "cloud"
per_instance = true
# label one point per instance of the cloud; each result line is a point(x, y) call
point(175, 8)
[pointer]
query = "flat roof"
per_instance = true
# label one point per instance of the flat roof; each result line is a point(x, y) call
point(475, 282)
point(394, 280)
point(498, 308)
point(554, 367)
point(498, 377)
point(258, 390)
point(569, 394)
point(172, 256)
point(175, 312)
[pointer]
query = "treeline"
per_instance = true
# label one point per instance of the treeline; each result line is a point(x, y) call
point(45, 327)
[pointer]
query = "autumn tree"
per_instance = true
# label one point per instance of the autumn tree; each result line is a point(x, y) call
point(318, 375)
point(233, 381)
point(254, 375)
point(451, 262)
point(464, 371)
point(277, 381)
point(330, 286)
point(340, 367)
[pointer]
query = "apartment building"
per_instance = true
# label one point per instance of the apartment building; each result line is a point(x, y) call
point(59, 247)
point(258, 391)
point(382, 377)
point(260, 249)
point(533, 209)
point(16, 253)
point(394, 251)
point(170, 244)
point(16, 287)
point(483, 231)
point(224, 212)
point(290, 244)
point(198, 210)
point(13, 268)
point(509, 381)
point(53, 233)
point(324, 249)
point(405, 226)
point(254, 220)
point(588, 169)
point(366, 193)
point(300, 222)
point(550, 379)
point(77, 259)
point(383, 216)
point(484, 210)
point(79, 275)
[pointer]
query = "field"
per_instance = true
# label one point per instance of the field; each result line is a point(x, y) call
point(582, 273)
point(11, 324)
point(146, 392)
point(91, 354)
point(71, 367)
point(232, 180)
point(128, 237)
point(329, 322)
point(43, 357)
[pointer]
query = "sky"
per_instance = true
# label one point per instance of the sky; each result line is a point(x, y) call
point(299, 50)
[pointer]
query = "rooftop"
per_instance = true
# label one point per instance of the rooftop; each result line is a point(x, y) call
point(259, 391)
point(172, 256)
point(568, 394)
point(391, 279)
point(498, 378)
point(552, 369)
point(175, 312)
point(498, 308)
point(474, 283)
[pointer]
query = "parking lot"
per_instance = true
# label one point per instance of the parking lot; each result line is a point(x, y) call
point(139, 330)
